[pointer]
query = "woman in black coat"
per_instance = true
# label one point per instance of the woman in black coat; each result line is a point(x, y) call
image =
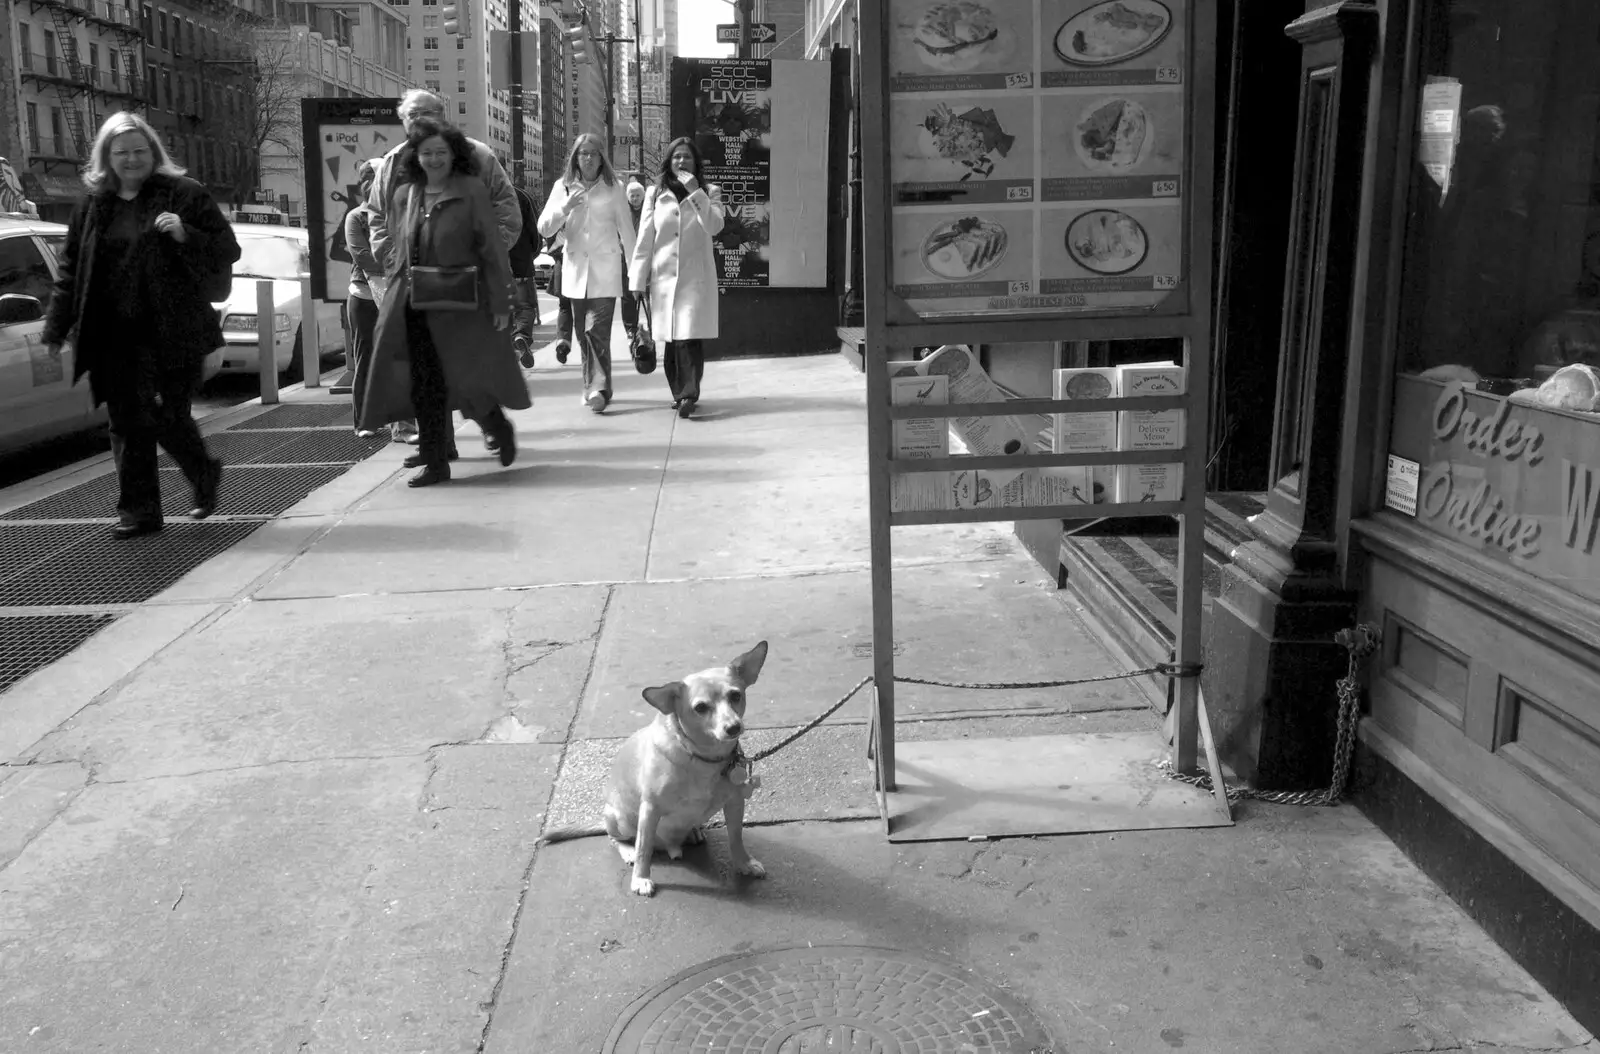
point(143, 249)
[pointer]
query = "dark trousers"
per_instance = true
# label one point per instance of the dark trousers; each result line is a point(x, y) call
point(592, 320)
point(154, 407)
point(564, 320)
point(429, 395)
point(524, 309)
point(684, 365)
point(363, 322)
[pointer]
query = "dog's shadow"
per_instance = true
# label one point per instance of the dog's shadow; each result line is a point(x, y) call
point(806, 884)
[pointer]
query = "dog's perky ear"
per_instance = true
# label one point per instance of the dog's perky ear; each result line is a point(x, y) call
point(664, 697)
point(747, 667)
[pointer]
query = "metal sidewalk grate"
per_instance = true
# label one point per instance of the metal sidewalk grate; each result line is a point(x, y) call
point(237, 448)
point(327, 446)
point(31, 642)
point(298, 415)
point(100, 569)
point(24, 544)
point(247, 490)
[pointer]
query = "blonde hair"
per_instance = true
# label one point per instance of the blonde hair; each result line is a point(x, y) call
point(98, 176)
point(607, 173)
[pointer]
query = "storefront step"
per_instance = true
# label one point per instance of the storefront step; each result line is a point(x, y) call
point(1128, 576)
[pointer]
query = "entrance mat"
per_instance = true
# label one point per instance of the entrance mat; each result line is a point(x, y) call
point(1063, 784)
point(247, 490)
point(99, 569)
point(298, 415)
point(32, 642)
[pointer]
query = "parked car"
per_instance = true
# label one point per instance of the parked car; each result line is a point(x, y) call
point(38, 400)
point(543, 265)
point(281, 254)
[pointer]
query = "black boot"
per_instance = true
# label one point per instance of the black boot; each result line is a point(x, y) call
point(430, 475)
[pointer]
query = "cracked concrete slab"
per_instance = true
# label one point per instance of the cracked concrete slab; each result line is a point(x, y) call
point(351, 905)
point(31, 797)
point(980, 621)
point(361, 676)
point(1313, 935)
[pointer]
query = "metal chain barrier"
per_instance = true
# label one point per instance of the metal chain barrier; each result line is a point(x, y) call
point(1361, 641)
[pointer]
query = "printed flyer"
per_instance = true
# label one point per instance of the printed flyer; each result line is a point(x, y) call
point(733, 131)
point(1037, 155)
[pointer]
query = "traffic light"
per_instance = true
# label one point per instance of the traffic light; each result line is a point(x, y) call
point(456, 18)
point(579, 36)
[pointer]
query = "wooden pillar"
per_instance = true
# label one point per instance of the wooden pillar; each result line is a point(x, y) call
point(1272, 660)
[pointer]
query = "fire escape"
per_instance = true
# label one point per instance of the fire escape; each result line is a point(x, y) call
point(73, 81)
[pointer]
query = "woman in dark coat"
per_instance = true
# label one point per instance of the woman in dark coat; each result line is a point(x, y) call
point(428, 363)
point(141, 250)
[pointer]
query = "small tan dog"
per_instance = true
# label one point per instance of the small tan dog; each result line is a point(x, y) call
point(677, 772)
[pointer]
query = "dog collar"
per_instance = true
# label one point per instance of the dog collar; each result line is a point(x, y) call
point(730, 761)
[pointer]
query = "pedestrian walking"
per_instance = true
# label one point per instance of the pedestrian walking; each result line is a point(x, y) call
point(416, 105)
point(674, 272)
point(366, 290)
point(145, 251)
point(443, 336)
point(630, 306)
point(589, 206)
point(525, 306)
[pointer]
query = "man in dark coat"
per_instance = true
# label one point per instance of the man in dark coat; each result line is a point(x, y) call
point(142, 251)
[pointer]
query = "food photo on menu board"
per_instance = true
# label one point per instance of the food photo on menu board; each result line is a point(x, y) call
point(961, 254)
point(956, 150)
point(1111, 42)
point(939, 45)
point(1113, 146)
point(1126, 255)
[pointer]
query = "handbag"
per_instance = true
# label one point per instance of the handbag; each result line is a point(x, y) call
point(444, 288)
point(643, 346)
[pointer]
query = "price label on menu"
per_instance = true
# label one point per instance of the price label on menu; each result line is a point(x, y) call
point(1022, 193)
point(1164, 188)
point(1164, 281)
point(1022, 287)
point(1019, 80)
point(1169, 74)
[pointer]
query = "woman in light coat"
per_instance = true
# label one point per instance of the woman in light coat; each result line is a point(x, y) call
point(674, 268)
point(589, 206)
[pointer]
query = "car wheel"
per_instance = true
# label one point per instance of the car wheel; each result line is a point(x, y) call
point(296, 371)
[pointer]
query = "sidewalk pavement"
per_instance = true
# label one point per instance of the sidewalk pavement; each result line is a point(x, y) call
point(290, 804)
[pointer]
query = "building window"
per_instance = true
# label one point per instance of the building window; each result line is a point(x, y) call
point(111, 63)
point(461, 107)
point(25, 44)
point(431, 65)
point(430, 43)
point(161, 29)
point(430, 21)
point(461, 65)
point(146, 25)
point(49, 51)
point(461, 86)
point(57, 147)
point(432, 86)
point(461, 44)
point(166, 87)
point(33, 128)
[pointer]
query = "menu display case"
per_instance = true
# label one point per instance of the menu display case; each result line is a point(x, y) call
point(1037, 155)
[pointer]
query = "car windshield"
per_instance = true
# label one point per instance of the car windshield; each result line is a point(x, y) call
point(267, 257)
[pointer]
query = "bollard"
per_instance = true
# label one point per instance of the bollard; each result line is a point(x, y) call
point(266, 355)
point(310, 336)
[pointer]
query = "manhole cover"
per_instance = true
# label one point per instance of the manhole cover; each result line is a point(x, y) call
point(844, 999)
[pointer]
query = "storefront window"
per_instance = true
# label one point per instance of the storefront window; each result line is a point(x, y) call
point(1502, 263)
point(1495, 435)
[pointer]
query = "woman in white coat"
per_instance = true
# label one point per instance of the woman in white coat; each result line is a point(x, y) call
point(592, 210)
point(675, 270)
